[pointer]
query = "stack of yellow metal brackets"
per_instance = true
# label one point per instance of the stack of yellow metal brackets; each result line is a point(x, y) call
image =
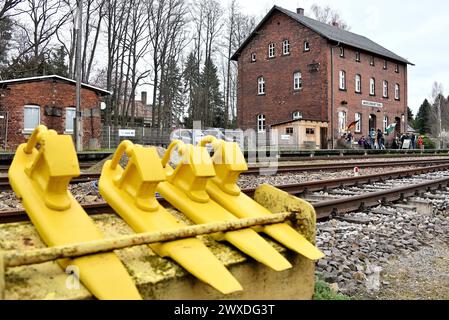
point(201, 187)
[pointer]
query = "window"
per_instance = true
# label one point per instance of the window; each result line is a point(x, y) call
point(297, 115)
point(297, 81)
point(357, 56)
point(253, 57)
point(289, 131)
point(372, 61)
point(342, 52)
point(385, 64)
point(358, 83)
point(31, 117)
point(396, 69)
point(385, 89)
point(397, 92)
point(310, 130)
point(306, 46)
point(261, 86)
point(70, 114)
point(342, 80)
point(271, 51)
point(372, 87)
point(286, 47)
point(261, 123)
point(358, 125)
point(342, 121)
point(385, 124)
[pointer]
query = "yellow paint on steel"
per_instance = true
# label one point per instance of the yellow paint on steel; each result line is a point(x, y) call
point(40, 177)
point(185, 189)
point(131, 193)
point(229, 163)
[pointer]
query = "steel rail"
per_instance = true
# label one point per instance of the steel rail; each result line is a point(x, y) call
point(324, 209)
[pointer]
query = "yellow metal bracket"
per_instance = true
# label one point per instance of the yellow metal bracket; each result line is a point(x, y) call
point(229, 163)
point(131, 193)
point(39, 174)
point(185, 189)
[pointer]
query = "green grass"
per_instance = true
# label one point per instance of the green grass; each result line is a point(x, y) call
point(324, 292)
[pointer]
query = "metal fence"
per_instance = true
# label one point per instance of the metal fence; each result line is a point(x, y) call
point(112, 136)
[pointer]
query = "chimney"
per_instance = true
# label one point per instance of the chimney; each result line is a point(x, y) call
point(143, 98)
point(300, 11)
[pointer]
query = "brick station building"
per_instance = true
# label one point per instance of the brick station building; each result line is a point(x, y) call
point(48, 100)
point(312, 80)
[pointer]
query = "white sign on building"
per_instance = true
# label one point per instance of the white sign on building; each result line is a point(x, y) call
point(127, 133)
point(372, 104)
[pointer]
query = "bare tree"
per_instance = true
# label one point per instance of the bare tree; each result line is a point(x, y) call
point(329, 16)
point(6, 8)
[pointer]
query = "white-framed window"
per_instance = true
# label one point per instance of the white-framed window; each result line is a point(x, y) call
point(397, 92)
point(385, 124)
point(70, 115)
point(342, 121)
point(297, 115)
point(260, 85)
point(358, 125)
point(31, 117)
point(306, 46)
point(385, 89)
point(372, 87)
point(396, 69)
point(271, 50)
point(342, 52)
point(385, 64)
point(357, 56)
point(261, 123)
point(372, 61)
point(342, 80)
point(286, 47)
point(253, 57)
point(358, 83)
point(297, 81)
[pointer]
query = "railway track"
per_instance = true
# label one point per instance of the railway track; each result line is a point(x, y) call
point(339, 203)
point(87, 177)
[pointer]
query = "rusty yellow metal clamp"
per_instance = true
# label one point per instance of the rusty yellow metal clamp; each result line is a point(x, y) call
point(131, 193)
point(229, 163)
point(39, 174)
point(185, 189)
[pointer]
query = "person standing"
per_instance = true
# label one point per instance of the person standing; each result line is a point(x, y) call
point(421, 143)
point(413, 138)
point(380, 139)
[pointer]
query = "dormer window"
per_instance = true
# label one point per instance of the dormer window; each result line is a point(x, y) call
point(271, 50)
point(297, 115)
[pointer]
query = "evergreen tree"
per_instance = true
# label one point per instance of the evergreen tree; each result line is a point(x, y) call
point(192, 85)
point(5, 38)
point(212, 102)
point(423, 118)
point(410, 117)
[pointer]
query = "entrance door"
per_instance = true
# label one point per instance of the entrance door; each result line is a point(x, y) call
point(323, 135)
point(372, 122)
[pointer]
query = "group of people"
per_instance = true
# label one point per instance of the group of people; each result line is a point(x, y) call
point(376, 141)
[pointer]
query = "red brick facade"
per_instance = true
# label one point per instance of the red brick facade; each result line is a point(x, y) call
point(314, 99)
point(52, 97)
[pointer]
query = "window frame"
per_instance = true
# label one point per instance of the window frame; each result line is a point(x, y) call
point(385, 89)
point(372, 87)
point(286, 44)
point(288, 129)
point(385, 124)
point(306, 46)
point(65, 129)
point(342, 80)
point(261, 123)
point(271, 47)
point(299, 88)
point(358, 80)
point(372, 61)
point(342, 52)
point(299, 115)
point(35, 107)
point(397, 92)
point(385, 67)
point(358, 125)
point(253, 57)
point(310, 129)
point(358, 56)
point(396, 69)
point(342, 124)
point(261, 84)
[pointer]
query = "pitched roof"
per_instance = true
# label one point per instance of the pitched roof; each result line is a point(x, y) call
point(331, 33)
point(56, 77)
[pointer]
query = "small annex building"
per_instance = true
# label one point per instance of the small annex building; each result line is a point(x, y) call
point(48, 100)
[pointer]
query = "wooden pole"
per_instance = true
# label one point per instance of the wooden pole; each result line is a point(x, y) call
point(2, 276)
point(18, 258)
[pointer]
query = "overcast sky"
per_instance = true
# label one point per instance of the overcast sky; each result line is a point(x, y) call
point(416, 30)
